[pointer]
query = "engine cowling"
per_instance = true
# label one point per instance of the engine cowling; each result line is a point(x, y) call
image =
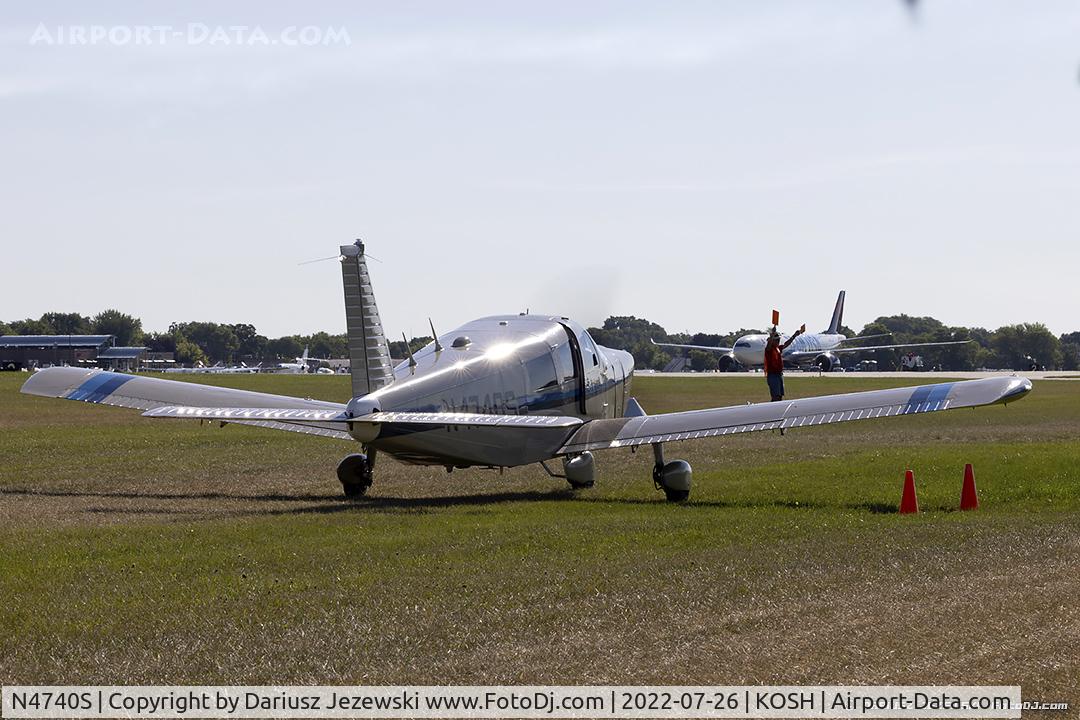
point(727, 363)
point(826, 362)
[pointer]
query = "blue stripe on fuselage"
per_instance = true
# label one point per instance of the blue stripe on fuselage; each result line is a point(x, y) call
point(98, 387)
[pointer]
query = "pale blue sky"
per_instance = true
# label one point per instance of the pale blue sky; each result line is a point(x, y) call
point(695, 163)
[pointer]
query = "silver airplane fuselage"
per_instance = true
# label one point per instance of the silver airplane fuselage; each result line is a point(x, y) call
point(500, 365)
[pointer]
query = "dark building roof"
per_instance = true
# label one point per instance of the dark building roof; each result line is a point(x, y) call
point(122, 353)
point(48, 341)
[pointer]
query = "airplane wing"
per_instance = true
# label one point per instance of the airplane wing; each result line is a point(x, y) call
point(804, 355)
point(145, 393)
point(173, 399)
point(712, 348)
point(823, 410)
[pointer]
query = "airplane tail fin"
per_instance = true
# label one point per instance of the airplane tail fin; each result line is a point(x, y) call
point(369, 353)
point(837, 315)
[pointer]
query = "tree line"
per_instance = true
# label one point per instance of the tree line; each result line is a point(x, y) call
point(197, 342)
point(1008, 347)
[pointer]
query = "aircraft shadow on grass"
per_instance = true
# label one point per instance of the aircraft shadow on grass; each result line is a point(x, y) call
point(332, 503)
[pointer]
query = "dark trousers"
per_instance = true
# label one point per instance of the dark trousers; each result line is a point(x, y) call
point(776, 385)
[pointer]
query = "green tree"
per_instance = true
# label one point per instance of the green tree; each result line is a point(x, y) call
point(127, 329)
point(5, 329)
point(218, 342)
point(67, 323)
point(1070, 351)
point(251, 345)
point(634, 335)
point(160, 342)
point(397, 348)
point(1014, 344)
point(703, 360)
point(904, 329)
point(29, 327)
point(323, 345)
point(188, 353)
point(286, 348)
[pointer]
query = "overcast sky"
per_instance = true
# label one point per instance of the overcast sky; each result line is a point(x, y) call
point(695, 163)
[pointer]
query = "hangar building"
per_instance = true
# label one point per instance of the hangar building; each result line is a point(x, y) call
point(32, 351)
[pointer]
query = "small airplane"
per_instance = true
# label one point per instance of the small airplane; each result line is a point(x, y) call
point(497, 392)
point(809, 350)
point(293, 368)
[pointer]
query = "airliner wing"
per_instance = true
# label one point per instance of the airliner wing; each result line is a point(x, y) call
point(712, 348)
point(823, 410)
point(865, 337)
point(806, 355)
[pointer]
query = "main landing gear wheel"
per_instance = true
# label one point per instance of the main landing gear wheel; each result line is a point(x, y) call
point(355, 474)
point(674, 477)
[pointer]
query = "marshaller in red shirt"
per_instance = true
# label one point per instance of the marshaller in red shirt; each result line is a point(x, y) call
point(774, 361)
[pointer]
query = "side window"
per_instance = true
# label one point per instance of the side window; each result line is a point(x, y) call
point(590, 356)
point(541, 373)
point(564, 362)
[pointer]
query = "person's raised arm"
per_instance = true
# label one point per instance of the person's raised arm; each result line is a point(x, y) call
point(791, 339)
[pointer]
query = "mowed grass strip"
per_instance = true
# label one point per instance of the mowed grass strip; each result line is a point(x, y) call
point(135, 551)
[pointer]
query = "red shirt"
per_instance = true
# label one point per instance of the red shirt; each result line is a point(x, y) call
point(774, 359)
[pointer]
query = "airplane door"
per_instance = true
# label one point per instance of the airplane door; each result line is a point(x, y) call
point(597, 400)
point(572, 369)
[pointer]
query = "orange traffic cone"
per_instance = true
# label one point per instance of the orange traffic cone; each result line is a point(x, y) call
point(908, 502)
point(969, 498)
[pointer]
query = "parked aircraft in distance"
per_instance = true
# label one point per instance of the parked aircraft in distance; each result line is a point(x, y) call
point(218, 369)
point(293, 368)
point(818, 350)
point(497, 392)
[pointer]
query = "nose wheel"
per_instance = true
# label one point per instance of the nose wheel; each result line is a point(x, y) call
point(355, 473)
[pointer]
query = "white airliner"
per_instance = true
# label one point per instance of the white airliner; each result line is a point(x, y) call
point(808, 350)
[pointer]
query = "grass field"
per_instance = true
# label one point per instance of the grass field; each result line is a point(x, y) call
point(137, 551)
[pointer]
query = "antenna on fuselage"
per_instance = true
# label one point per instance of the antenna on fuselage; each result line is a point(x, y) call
point(434, 336)
point(412, 360)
